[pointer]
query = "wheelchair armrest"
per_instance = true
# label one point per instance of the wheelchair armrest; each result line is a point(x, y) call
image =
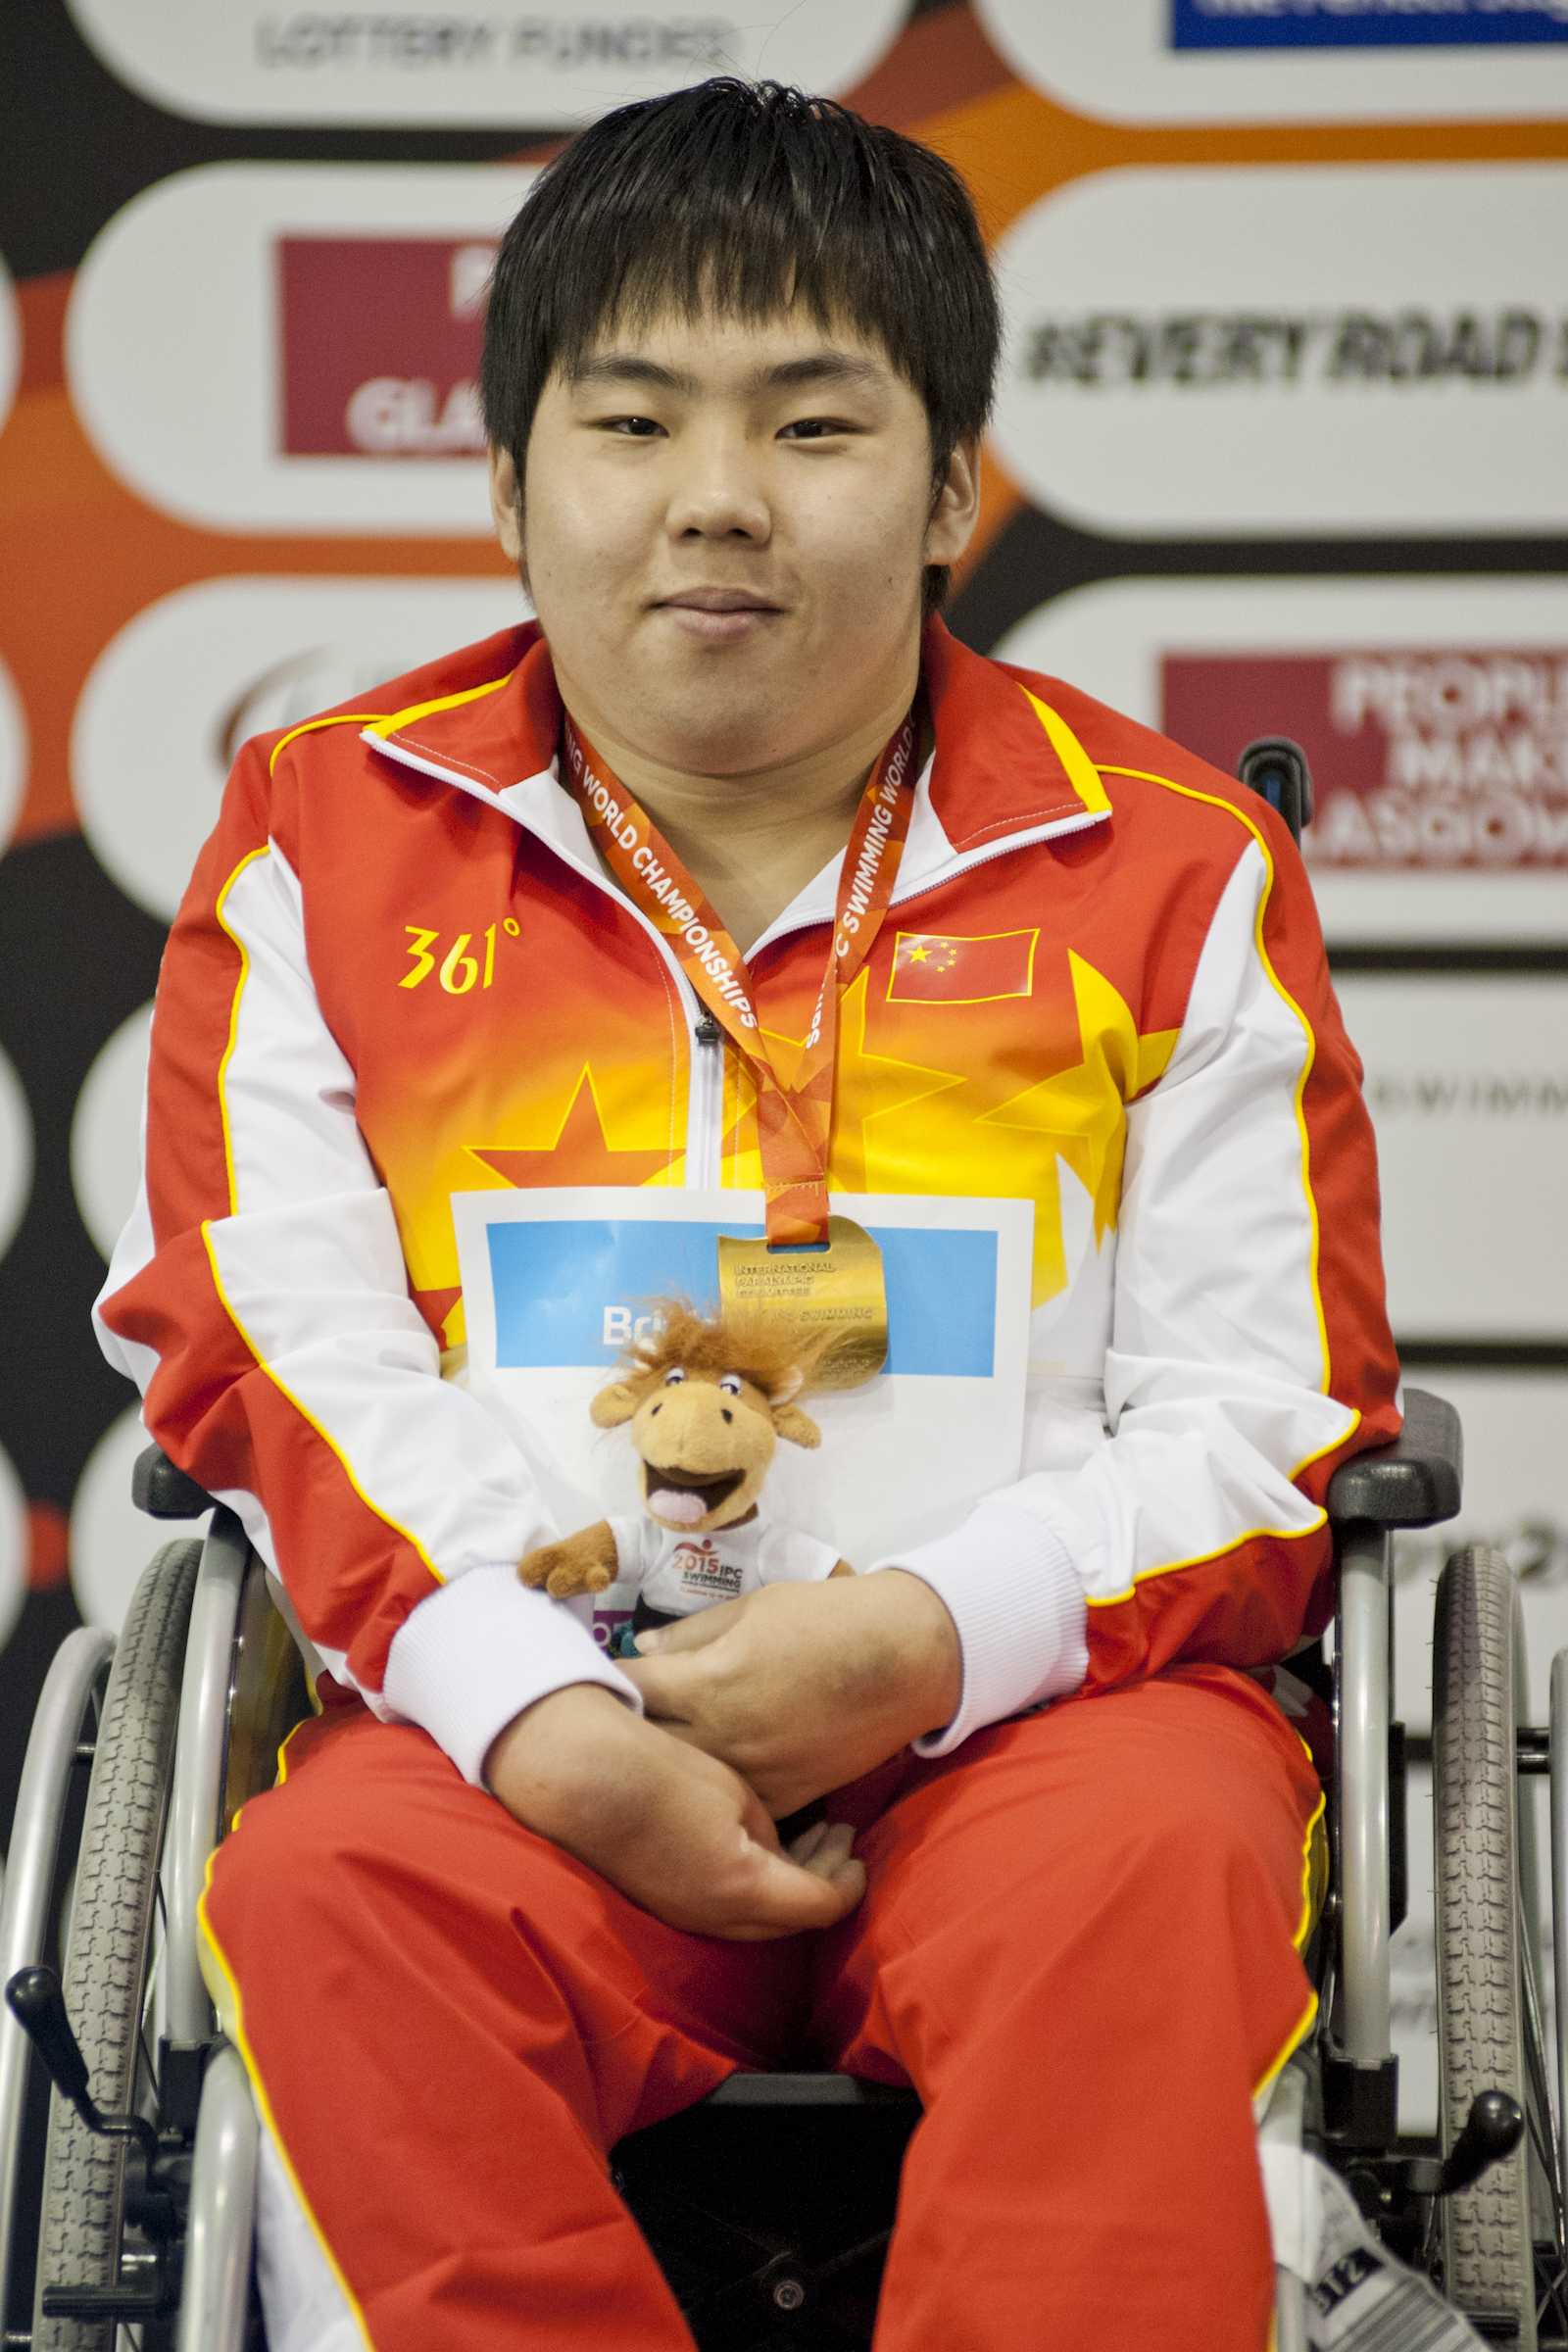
point(1413, 1483)
point(163, 1491)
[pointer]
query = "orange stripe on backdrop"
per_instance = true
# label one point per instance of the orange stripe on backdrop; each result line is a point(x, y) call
point(79, 554)
point(1012, 145)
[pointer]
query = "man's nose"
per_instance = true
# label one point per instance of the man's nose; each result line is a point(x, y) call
point(718, 493)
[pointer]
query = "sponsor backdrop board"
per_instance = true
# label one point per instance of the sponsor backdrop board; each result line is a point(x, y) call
point(172, 698)
point(235, 60)
point(1467, 1082)
point(1434, 713)
point(1345, 348)
point(325, 381)
point(1278, 449)
point(1289, 61)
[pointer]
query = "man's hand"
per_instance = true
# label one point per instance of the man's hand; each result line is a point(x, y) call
point(678, 1833)
point(802, 1688)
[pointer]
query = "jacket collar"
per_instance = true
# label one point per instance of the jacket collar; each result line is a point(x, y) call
point(1007, 771)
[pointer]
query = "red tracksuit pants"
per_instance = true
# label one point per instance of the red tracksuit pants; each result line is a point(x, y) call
point(1078, 1942)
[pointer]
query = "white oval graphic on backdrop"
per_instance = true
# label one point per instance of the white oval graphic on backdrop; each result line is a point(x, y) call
point(232, 61)
point(10, 344)
point(1467, 1083)
point(111, 1541)
point(13, 755)
point(170, 699)
point(292, 346)
point(16, 1153)
point(1434, 713)
point(106, 1132)
point(1118, 59)
point(1355, 349)
point(14, 1547)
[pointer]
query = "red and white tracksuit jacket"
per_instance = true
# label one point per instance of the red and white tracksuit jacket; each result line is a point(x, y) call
point(399, 971)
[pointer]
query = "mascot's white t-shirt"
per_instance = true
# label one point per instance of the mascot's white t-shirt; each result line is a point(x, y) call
point(680, 1572)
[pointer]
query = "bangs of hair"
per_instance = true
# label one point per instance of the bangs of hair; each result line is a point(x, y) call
point(747, 200)
point(764, 1349)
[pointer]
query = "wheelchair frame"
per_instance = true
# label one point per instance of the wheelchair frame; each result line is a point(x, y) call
point(1413, 1483)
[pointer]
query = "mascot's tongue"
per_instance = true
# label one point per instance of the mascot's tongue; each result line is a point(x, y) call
point(679, 1503)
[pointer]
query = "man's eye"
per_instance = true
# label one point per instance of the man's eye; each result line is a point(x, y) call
point(812, 428)
point(636, 428)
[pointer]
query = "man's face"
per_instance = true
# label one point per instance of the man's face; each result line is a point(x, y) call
point(726, 529)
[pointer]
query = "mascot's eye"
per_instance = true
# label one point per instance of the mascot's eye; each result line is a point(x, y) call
point(673, 1380)
point(731, 1384)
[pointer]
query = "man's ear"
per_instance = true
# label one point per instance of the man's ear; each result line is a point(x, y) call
point(956, 507)
point(505, 504)
point(614, 1405)
point(798, 1427)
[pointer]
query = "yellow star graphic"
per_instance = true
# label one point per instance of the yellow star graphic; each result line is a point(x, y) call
point(919, 956)
point(872, 1087)
point(1082, 1110)
point(867, 1087)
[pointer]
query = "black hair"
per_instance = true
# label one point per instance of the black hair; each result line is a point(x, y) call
point(748, 197)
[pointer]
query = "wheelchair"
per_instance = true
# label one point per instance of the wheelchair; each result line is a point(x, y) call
point(141, 2212)
point(129, 2136)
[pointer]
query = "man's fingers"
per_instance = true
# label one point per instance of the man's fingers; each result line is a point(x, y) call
point(802, 1848)
point(827, 1850)
point(669, 1682)
point(690, 1632)
point(787, 1898)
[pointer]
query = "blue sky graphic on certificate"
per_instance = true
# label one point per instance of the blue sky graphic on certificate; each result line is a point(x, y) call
point(1361, 23)
point(567, 1292)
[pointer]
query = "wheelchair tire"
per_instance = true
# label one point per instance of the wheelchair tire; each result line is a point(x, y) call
point(110, 1936)
point(1488, 2255)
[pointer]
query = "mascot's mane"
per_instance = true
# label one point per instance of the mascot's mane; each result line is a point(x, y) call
point(764, 1348)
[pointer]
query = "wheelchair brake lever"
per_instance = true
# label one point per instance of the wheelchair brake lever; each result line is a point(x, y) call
point(37, 2002)
point(1493, 2130)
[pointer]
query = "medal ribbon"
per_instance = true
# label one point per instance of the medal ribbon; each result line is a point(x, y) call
point(794, 1123)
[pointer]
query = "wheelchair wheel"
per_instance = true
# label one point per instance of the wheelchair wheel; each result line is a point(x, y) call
point(110, 1941)
point(1484, 2008)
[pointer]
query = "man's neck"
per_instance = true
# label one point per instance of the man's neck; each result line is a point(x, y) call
point(752, 841)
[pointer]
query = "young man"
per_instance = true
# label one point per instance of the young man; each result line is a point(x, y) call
point(510, 1902)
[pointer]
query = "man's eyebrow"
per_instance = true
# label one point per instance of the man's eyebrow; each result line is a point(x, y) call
point(625, 367)
point(818, 367)
point(607, 368)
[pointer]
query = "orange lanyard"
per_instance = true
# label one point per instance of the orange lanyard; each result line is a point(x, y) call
point(794, 1123)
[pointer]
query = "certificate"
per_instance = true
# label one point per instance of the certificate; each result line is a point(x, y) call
point(558, 1281)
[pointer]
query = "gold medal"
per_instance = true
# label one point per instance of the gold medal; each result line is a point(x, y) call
point(839, 1289)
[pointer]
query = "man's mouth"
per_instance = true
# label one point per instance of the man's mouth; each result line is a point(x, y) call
point(687, 1495)
point(720, 600)
point(720, 616)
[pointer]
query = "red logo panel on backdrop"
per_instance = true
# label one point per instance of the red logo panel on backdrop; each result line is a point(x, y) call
point(1420, 759)
point(380, 346)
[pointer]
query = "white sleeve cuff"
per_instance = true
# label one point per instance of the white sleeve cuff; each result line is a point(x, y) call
point(1018, 1603)
point(471, 1656)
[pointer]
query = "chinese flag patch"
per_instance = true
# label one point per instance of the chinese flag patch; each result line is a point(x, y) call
point(931, 969)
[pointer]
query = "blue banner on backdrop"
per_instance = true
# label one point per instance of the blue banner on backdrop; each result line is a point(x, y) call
point(572, 1293)
point(1360, 24)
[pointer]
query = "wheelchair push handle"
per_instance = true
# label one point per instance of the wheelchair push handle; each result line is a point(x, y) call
point(37, 2003)
point(1276, 769)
